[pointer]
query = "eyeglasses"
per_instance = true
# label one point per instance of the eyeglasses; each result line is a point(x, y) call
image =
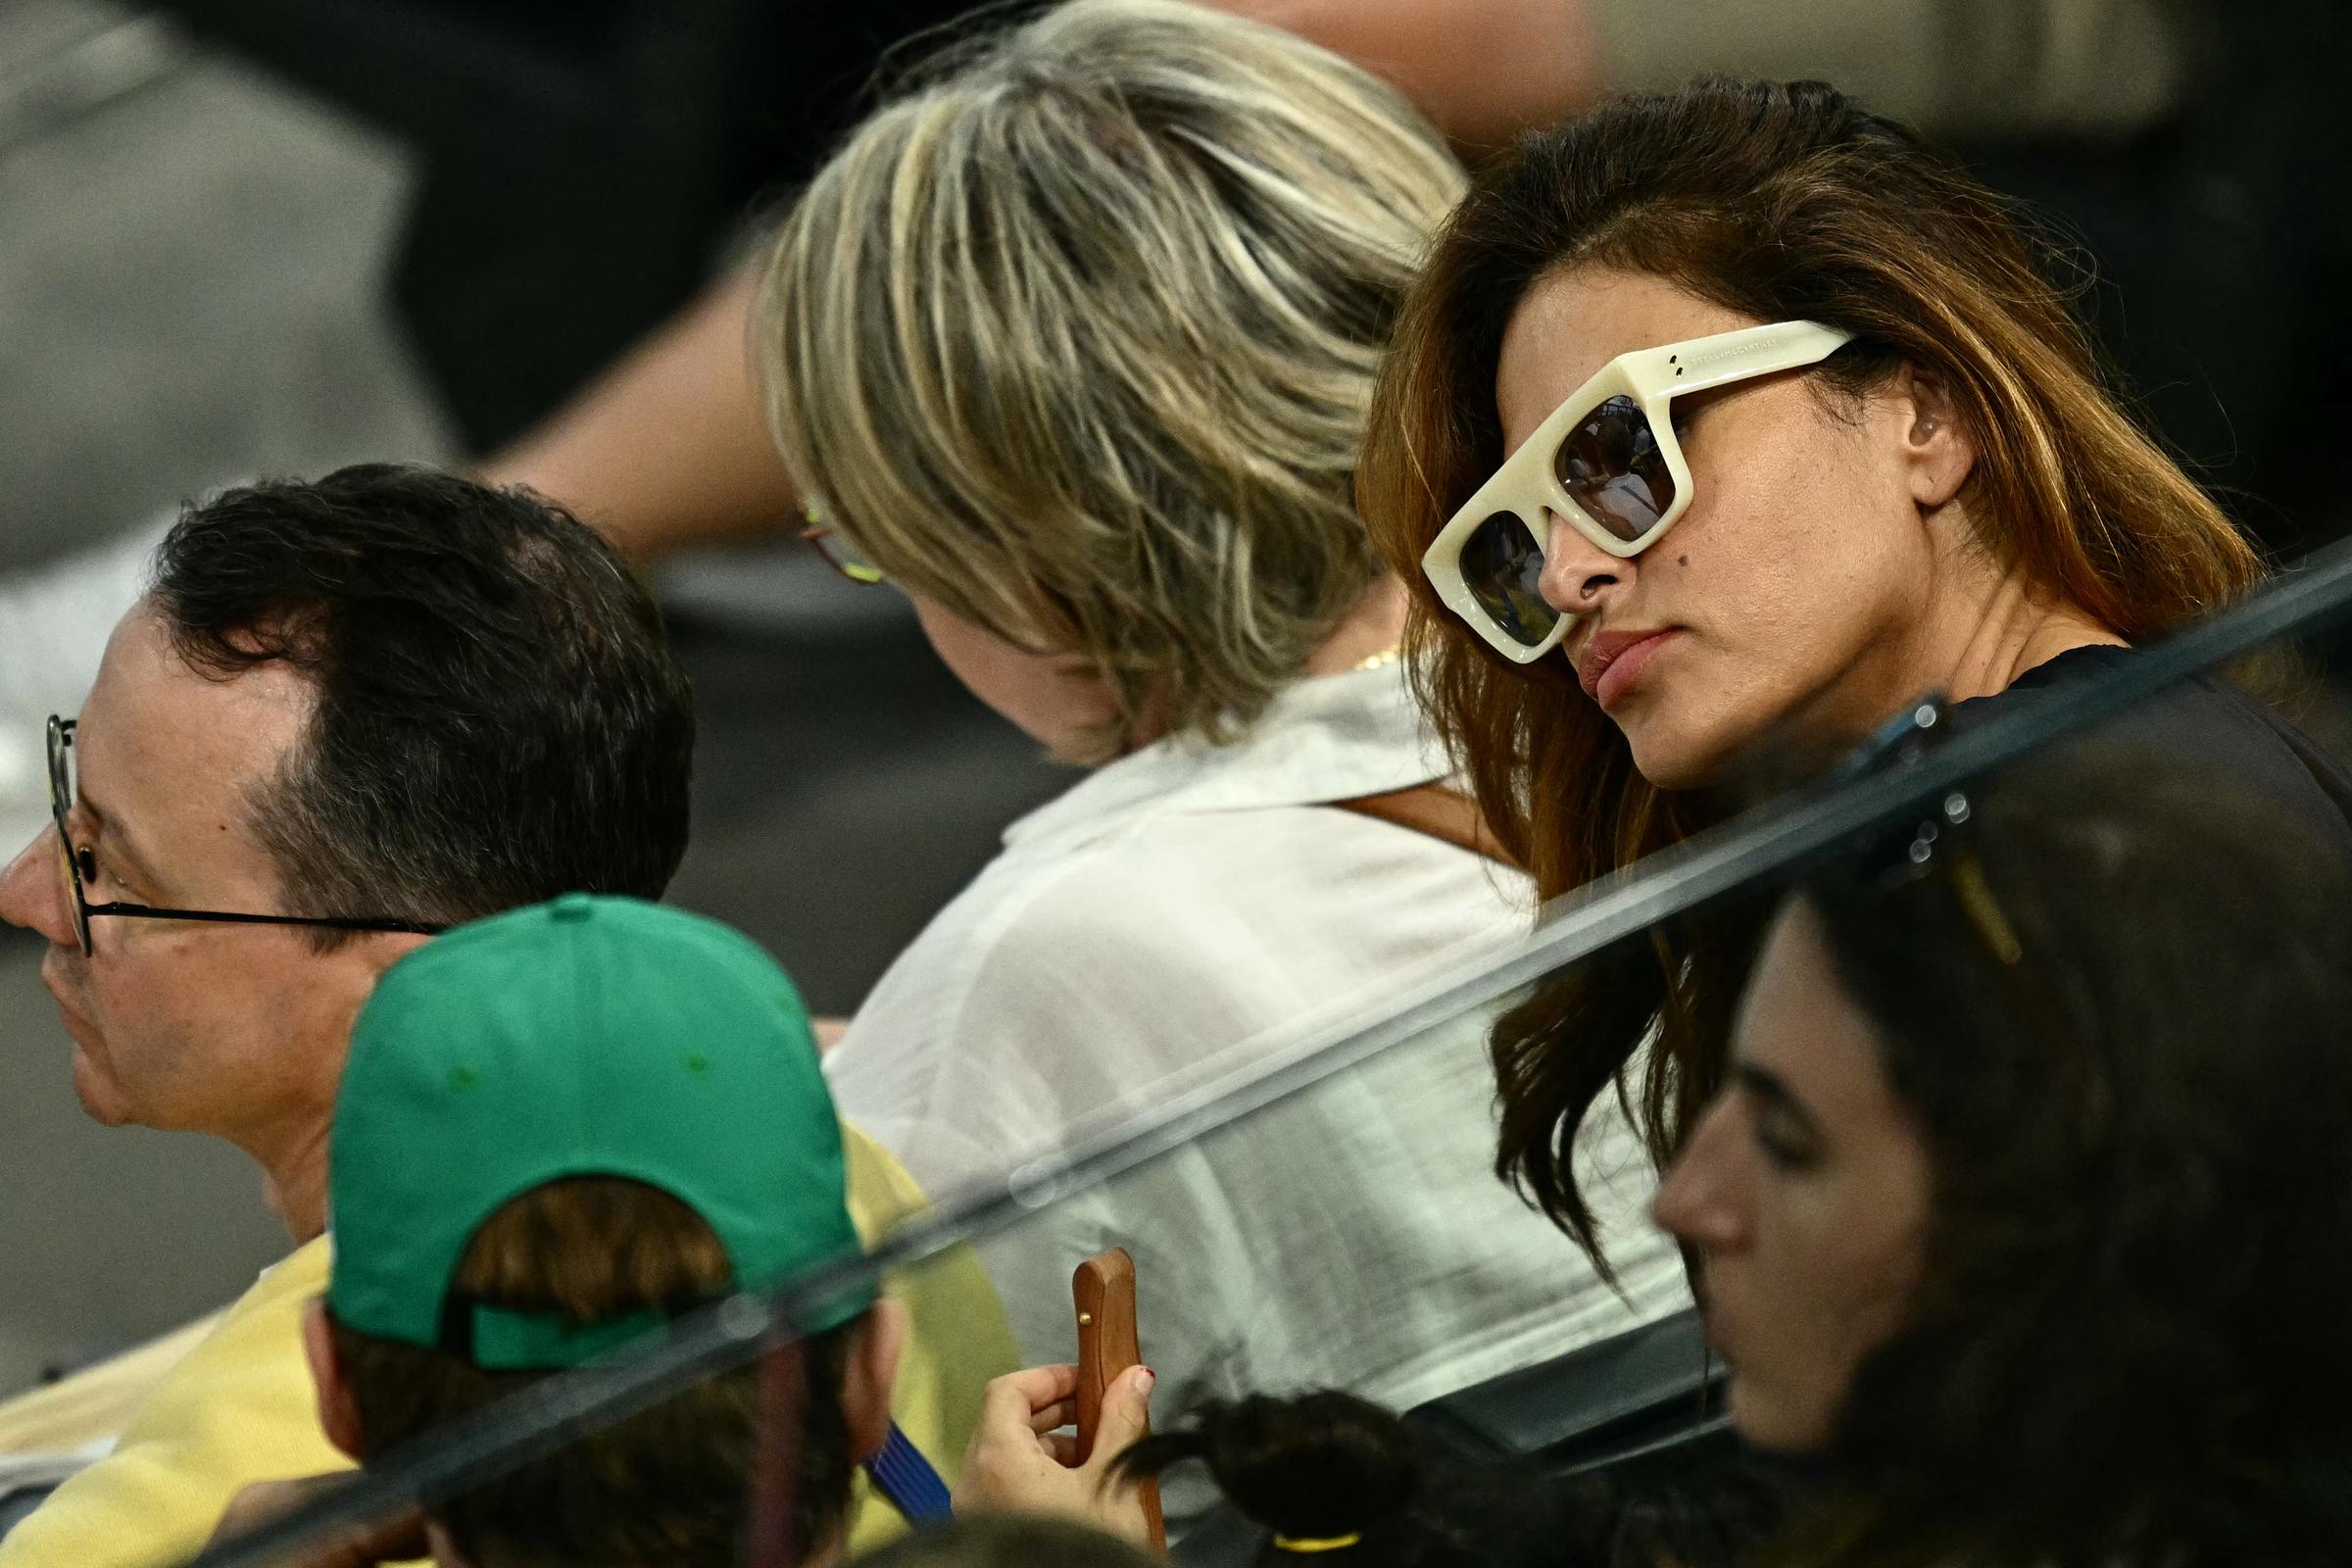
point(60, 807)
point(837, 550)
point(1608, 463)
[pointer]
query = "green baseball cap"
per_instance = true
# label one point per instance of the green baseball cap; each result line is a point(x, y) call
point(586, 1037)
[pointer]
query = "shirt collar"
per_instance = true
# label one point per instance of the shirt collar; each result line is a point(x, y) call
point(1331, 738)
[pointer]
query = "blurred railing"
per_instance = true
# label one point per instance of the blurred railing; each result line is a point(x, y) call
point(1751, 854)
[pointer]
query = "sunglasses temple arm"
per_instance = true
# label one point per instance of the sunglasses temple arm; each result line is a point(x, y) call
point(1765, 358)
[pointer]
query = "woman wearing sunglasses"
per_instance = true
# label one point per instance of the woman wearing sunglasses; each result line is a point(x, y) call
point(1073, 346)
point(1739, 411)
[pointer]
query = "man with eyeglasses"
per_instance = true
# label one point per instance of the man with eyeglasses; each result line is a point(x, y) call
point(345, 716)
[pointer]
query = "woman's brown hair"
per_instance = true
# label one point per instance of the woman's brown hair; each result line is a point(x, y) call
point(1783, 202)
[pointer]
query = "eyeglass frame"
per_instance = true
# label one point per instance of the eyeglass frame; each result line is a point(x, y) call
point(1528, 485)
point(855, 567)
point(60, 807)
point(865, 574)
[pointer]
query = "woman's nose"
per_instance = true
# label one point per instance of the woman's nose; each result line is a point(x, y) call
point(1577, 576)
point(1697, 1204)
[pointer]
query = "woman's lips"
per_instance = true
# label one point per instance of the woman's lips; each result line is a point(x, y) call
point(1610, 669)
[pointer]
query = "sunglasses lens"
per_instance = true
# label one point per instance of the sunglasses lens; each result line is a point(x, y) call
point(1610, 466)
point(1503, 565)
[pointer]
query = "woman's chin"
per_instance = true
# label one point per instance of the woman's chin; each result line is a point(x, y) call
point(1771, 1425)
point(1670, 756)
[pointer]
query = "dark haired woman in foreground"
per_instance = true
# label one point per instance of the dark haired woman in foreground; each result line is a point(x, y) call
point(2025, 1204)
point(1739, 412)
point(2020, 1216)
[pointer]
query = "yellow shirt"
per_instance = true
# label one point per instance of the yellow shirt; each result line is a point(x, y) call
point(240, 1407)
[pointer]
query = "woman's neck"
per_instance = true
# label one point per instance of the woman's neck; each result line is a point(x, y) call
point(1991, 626)
point(1373, 627)
point(1982, 626)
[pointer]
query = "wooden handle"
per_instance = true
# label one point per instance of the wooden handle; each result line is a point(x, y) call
point(1103, 1289)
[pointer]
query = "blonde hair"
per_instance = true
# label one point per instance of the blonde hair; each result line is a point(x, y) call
point(1078, 339)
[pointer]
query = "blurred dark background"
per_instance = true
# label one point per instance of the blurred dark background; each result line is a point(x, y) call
point(243, 236)
point(576, 166)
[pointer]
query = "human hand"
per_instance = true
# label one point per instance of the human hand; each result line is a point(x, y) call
point(402, 1540)
point(1021, 1462)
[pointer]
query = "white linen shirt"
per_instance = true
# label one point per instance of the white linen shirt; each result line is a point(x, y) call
point(1187, 910)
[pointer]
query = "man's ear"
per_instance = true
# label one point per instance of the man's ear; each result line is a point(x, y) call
point(872, 1374)
point(1940, 450)
point(388, 948)
point(338, 1411)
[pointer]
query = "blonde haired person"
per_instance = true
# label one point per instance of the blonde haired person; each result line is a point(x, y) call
point(1073, 343)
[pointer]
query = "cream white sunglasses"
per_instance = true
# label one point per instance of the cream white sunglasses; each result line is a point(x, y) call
point(1608, 463)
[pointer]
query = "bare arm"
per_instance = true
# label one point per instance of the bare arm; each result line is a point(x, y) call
point(669, 447)
point(1481, 70)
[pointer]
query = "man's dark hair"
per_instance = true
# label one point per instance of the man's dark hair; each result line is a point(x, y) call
point(499, 719)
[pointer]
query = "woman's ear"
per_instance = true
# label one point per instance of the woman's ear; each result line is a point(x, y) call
point(1939, 450)
point(338, 1411)
point(870, 1376)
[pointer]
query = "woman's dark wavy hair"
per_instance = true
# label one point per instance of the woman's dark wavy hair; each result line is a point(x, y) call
point(1782, 202)
point(1327, 1465)
point(2127, 1343)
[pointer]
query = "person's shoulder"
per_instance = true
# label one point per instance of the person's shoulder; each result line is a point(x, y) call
point(956, 1058)
point(1226, 921)
point(956, 1335)
point(238, 1409)
point(1026, 928)
point(2210, 724)
point(251, 1351)
point(1124, 918)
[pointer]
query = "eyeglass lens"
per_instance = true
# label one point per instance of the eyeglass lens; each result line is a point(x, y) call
point(61, 806)
point(1610, 466)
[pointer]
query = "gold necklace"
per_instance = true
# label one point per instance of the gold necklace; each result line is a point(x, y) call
point(1380, 660)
